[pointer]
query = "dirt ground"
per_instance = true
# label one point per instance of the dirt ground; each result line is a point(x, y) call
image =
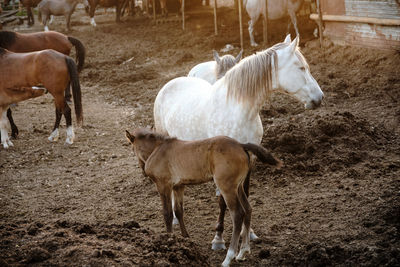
point(336, 201)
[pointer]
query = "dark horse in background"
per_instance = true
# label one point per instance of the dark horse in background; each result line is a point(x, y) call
point(28, 4)
point(30, 42)
point(90, 6)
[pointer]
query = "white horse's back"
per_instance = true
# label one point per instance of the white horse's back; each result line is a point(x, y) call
point(205, 71)
point(191, 93)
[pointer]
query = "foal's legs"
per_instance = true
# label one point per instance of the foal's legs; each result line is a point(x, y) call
point(237, 215)
point(178, 208)
point(165, 195)
point(245, 247)
point(218, 241)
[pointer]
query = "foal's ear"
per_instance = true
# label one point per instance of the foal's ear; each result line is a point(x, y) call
point(216, 56)
point(130, 137)
point(239, 56)
point(287, 39)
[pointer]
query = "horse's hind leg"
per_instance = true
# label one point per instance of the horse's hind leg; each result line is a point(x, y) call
point(14, 128)
point(237, 215)
point(246, 186)
point(67, 94)
point(251, 29)
point(245, 247)
point(70, 130)
point(218, 242)
point(55, 133)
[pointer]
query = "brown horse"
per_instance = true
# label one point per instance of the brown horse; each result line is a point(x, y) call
point(28, 4)
point(49, 68)
point(171, 164)
point(30, 42)
point(90, 6)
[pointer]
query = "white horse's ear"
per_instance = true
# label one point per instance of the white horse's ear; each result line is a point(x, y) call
point(294, 44)
point(130, 137)
point(216, 56)
point(287, 39)
point(239, 56)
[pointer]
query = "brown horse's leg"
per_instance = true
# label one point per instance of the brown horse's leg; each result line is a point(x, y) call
point(237, 215)
point(246, 186)
point(31, 19)
point(218, 241)
point(245, 246)
point(14, 128)
point(165, 195)
point(54, 135)
point(67, 93)
point(178, 208)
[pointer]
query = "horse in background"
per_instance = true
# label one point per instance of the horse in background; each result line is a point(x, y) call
point(48, 68)
point(172, 164)
point(56, 8)
point(28, 4)
point(192, 109)
point(30, 42)
point(90, 6)
point(211, 71)
point(276, 9)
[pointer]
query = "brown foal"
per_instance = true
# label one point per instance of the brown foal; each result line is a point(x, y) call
point(171, 164)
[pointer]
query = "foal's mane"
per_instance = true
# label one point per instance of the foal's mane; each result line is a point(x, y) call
point(7, 38)
point(251, 79)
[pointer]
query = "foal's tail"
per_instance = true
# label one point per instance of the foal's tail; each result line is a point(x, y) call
point(263, 154)
point(76, 88)
point(80, 52)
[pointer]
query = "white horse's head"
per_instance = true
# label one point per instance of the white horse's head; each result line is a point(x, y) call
point(294, 77)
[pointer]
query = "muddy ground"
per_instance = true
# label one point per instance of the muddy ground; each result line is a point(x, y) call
point(336, 201)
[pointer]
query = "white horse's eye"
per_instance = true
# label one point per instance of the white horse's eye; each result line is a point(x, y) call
point(302, 68)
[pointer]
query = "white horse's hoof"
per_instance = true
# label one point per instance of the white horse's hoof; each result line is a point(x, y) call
point(175, 221)
point(254, 44)
point(253, 236)
point(69, 141)
point(93, 23)
point(218, 244)
point(53, 136)
point(242, 254)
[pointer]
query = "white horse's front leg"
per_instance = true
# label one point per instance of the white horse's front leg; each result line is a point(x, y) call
point(70, 135)
point(93, 22)
point(54, 135)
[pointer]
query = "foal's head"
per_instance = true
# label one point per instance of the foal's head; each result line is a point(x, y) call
point(144, 141)
point(225, 63)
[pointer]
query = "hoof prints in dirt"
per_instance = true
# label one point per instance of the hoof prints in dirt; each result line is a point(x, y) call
point(68, 243)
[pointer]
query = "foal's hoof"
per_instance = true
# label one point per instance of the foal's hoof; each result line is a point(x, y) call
point(175, 221)
point(7, 144)
point(69, 141)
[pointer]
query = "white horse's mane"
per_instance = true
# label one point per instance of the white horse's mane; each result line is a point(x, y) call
point(251, 79)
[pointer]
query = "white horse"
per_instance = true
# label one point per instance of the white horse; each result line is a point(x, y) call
point(276, 9)
point(50, 8)
point(191, 108)
point(211, 71)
